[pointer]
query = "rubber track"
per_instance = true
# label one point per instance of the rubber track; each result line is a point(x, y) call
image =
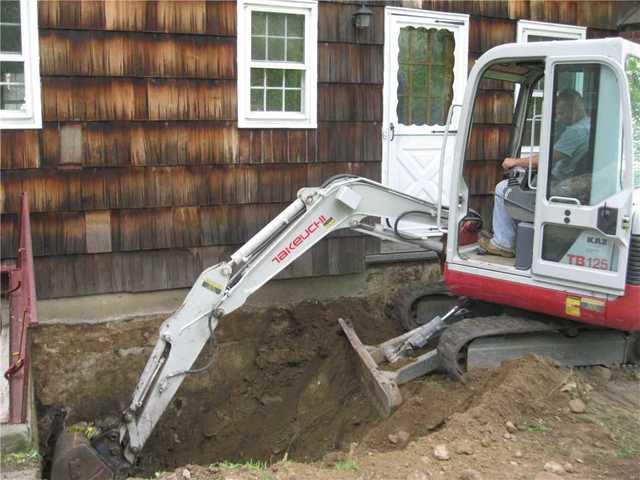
point(458, 335)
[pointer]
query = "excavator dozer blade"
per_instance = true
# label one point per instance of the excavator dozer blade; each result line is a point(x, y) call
point(75, 459)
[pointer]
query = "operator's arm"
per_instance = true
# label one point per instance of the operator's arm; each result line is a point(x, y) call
point(511, 162)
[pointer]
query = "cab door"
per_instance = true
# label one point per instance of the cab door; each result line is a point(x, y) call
point(584, 198)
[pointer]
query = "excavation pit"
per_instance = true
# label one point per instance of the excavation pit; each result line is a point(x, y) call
point(284, 381)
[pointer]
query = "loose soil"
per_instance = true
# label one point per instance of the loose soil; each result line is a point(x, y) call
point(285, 386)
point(471, 420)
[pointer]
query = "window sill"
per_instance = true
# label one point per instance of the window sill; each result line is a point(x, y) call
point(28, 123)
point(276, 123)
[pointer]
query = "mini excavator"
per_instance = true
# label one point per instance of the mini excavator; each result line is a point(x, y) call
point(572, 289)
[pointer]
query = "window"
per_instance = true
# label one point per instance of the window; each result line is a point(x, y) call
point(425, 75)
point(633, 76)
point(529, 31)
point(19, 65)
point(277, 63)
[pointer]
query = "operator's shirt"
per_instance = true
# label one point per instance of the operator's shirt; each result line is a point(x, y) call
point(574, 144)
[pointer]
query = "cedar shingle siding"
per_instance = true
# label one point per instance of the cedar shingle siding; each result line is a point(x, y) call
point(140, 177)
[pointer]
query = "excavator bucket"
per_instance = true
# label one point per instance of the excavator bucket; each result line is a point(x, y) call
point(75, 459)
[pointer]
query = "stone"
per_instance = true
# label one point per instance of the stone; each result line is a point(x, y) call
point(485, 442)
point(568, 467)
point(511, 428)
point(547, 476)
point(464, 448)
point(508, 436)
point(554, 467)
point(569, 387)
point(441, 452)
point(513, 464)
point(403, 436)
point(470, 474)
point(518, 454)
point(186, 474)
point(393, 438)
point(577, 406)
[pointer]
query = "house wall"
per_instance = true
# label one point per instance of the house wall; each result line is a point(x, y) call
point(140, 177)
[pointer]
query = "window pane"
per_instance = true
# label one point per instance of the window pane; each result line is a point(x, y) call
point(258, 48)
point(534, 108)
point(258, 23)
point(584, 248)
point(275, 49)
point(275, 25)
point(257, 99)
point(10, 40)
point(292, 101)
point(633, 75)
point(295, 25)
point(12, 95)
point(293, 78)
point(274, 100)
point(545, 38)
point(257, 77)
point(10, 11)
point(425, 75)
point(418, 110)
point(12, 72)
point(295, 50)
point(274, 77)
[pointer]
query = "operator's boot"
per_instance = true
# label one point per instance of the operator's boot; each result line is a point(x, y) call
point(487, 247)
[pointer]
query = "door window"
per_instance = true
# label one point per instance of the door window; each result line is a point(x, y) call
point(584, 159)
point(425, 75)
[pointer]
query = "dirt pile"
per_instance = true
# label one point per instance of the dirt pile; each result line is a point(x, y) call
point(513, 423)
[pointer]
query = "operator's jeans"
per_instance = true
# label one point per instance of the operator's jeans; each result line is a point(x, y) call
point(504, 227)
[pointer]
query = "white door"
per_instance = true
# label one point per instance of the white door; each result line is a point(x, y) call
point(425, 73)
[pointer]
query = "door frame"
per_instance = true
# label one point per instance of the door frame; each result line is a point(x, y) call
point(604, 281)
point(393, 15)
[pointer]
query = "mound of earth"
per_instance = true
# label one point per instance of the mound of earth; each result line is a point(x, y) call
point(527, 420)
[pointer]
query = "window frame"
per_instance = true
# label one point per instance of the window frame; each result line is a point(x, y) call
point(553, 31)
point(31, 116)
point(263, 119)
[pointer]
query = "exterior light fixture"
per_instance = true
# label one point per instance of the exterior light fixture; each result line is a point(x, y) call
point(362, 17)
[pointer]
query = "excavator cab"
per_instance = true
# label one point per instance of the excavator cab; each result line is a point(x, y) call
point(575, 198)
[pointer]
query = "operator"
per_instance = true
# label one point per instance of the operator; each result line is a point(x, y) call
point(568, 151)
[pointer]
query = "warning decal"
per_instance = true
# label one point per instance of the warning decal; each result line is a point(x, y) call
point(572, 306)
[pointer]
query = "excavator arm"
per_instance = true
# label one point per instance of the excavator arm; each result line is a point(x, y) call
point(342, 202)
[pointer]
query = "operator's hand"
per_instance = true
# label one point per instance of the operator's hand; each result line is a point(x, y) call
point(509, 163)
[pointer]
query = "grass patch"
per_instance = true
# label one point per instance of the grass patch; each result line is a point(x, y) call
point(254, 465)
point(625, 432)
point(538, 427)
point(347, 466)
point(22, 459)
